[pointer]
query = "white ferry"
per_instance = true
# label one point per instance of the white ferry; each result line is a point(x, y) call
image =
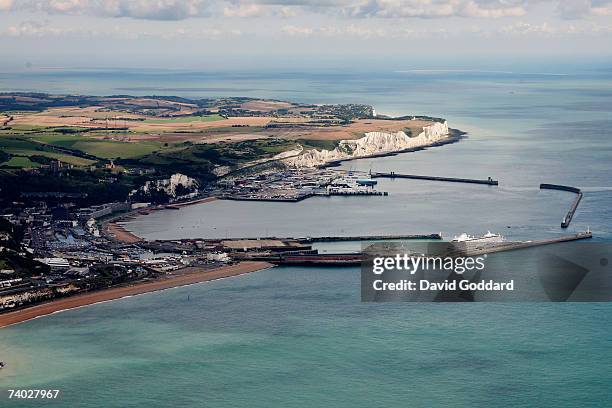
point(470, 240)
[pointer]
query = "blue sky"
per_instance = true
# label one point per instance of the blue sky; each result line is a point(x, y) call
point(218, 33)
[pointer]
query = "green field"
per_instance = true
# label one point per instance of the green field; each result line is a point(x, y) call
point(21, 162)
point(186, 119)
point(17, 129)
point(111, 150)
point(106, 149)
point(26, 148)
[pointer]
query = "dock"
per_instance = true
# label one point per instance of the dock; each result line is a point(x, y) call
point(358, 193)
point(318, 259)
point(567, 219)
point(356, 258)
point(489, 181)
point(267, 199)
point(369, 238)
point(511, 246)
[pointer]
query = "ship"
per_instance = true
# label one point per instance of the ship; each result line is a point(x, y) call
point(471, 241)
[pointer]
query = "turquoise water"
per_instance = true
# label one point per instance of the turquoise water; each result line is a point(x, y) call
point(300, 337)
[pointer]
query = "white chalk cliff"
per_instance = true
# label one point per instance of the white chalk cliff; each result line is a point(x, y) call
point(169, 185)
point(373, 143)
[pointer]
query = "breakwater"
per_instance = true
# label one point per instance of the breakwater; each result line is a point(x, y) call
point(369, 238)
point(351, 259)
point(318, 259)
point(392, 175)
point(511, 246)
point(567, 219)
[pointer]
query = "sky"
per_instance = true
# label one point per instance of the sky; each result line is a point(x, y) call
point(232, 33)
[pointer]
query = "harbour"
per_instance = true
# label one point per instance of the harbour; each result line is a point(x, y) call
point(285, 326)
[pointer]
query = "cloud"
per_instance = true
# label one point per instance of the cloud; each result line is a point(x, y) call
point(297, 31)
point(547, 30)
point(362, 9)
point(287, 12)
point(138, 9)
point(350, 30)
point(434, 9)
point(576, 9)
point(473, 9)
point(156, 9)
point(243, 10)
point(522, 28)
point(6, 4)
point(40, 29)
point(35, 29)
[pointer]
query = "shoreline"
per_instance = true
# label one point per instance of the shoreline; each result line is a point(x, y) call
point(120, 234)
point(186, 276)
point(454, 136)
point(112, 229)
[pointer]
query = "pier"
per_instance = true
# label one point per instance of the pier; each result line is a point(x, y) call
point(572, 210)
point(356, 258)
point(369, 238)
point(489, 181)
point(294, 199)
point(511, 246)
point(318, 259)
point(358, 193)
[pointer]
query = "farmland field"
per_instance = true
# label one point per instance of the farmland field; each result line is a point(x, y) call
point(105, 149)
point(187, 119)
point(20, 147)
point(20, 162)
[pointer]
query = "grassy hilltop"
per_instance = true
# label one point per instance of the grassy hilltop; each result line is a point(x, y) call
point(123, 140)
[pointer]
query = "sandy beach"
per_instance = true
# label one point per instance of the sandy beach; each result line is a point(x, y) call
point(185, 276)
point(121, 234)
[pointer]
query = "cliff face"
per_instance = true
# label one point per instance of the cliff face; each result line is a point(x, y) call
point(372, 143)
point(170, 185)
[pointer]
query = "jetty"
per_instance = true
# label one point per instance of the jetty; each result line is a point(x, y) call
point(350, 259)
point(356, 258)
point(567, 219)
point(511, 246)
point(357, 193)
point(288, 199)
point(489, 181)
point(368, 238)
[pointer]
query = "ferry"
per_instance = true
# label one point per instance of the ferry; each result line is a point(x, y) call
point(470, 240)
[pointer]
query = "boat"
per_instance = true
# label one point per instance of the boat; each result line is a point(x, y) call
point(2, 364)
point(478, 241)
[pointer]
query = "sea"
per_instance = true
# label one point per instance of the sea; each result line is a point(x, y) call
point(301, 337)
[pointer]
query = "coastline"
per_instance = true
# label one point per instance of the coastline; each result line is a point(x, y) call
point(182, 277)
point(196, 201)
point(375, 144)
point(120, 234)
point(454, 136)
point(117, 232)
